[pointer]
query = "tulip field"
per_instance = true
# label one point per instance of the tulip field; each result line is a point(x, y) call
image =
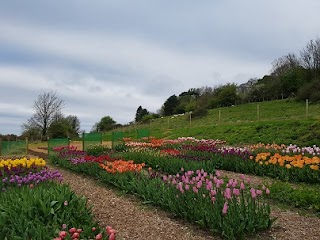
point(184, 176)
point(33, 205)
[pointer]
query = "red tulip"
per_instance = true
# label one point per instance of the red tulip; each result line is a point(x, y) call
point(99, 236)
point(75, 235)
point(72, 230)
point(62, 234)
point(108, 228)
point(93, 229)
point(112, 236)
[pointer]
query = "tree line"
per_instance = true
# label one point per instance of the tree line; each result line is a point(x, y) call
point(292, 76)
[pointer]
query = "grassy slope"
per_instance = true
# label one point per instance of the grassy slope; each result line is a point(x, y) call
point(279, 121)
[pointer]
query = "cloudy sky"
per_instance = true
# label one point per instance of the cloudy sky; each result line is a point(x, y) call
point(105, 58)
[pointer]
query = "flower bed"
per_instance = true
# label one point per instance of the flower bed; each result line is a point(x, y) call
point(34, 205)
point(228, 207)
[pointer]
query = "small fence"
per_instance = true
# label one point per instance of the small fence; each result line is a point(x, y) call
point(89, 139)
point(57, 142)
point(143, 133)
point(117, 138)
point(11, 148)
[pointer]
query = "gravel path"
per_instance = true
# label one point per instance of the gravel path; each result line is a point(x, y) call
point(134, 220)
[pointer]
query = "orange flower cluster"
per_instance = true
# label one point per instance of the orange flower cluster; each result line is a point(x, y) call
point(298, 161)
point(121, 166)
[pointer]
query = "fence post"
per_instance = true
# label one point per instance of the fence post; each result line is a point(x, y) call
point(219, 115)
point(83, 141)
point(0, 145)
point(190, 118)
point(27, 146)
point(48, 146)
point(258, 112)
point(307, 108)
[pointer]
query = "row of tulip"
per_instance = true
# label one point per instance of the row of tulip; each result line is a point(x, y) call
point(107, 163)
point(21, 162)
point(303, 167)
point(231, 207)
point(19, 172)
point(298, 161)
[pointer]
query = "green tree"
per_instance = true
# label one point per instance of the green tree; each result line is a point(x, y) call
point(64, 127)
point(105, 124)
point(170, 105)
point(141, 112)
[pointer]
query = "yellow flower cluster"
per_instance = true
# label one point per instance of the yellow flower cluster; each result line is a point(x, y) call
point(298, 161)
point(22, 162)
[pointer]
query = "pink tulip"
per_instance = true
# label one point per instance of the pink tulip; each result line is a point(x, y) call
point(195, 189)
point(258, 192)
point(236, 191)
point(225, 208)
point(213, 192)
point(235, 183)
point(242, 186)
point(227, 193)
point(209, 186)
point(187, 187)
point(253, 193)
point(267, 191)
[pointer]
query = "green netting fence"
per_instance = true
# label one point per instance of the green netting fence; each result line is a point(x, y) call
point(10, 148)
point(143, 133)
point(117, 138)
point(90, 139)
point(56, 142)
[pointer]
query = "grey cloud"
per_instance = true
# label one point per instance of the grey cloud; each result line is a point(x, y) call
point(109, 57)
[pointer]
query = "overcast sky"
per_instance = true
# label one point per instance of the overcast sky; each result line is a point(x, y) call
point(106, 58)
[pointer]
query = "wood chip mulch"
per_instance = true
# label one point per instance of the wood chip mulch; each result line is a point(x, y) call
point(134, 220)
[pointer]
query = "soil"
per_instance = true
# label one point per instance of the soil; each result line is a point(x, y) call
point(135, 220)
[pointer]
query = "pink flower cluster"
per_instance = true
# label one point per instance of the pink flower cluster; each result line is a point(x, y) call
point(314, 150)
point(209, 185)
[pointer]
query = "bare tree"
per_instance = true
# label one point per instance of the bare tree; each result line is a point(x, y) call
point(47, 108)
point(284, 63)
point(310, 55)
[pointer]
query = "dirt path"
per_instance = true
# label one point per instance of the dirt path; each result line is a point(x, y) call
point(134, 220)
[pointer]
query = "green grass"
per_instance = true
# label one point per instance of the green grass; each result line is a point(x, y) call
point(280, 121)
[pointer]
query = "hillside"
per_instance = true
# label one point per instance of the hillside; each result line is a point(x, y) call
point(280, 121)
